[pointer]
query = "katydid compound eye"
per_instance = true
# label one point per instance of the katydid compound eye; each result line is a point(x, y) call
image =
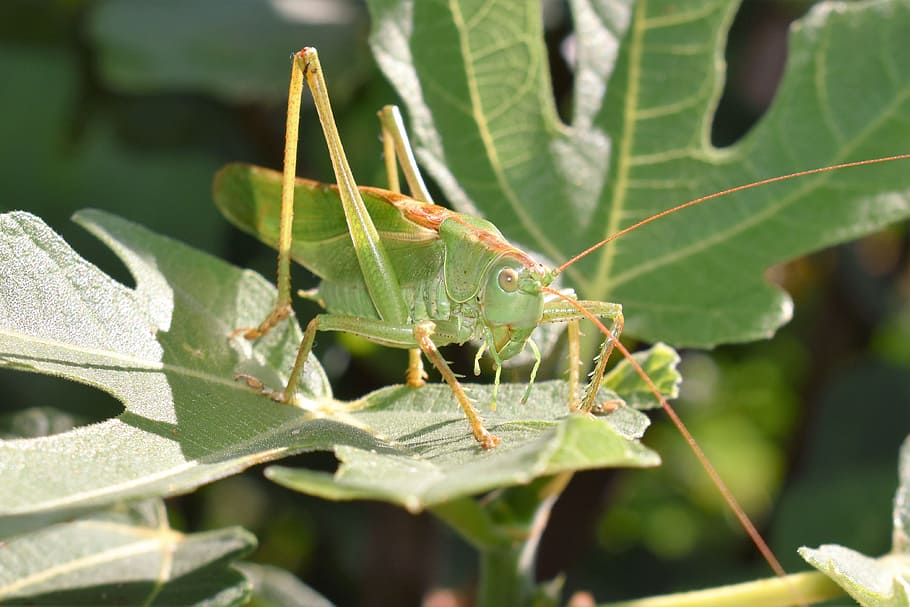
point(508, 280)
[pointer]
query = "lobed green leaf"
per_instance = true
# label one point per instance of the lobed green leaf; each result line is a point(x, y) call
point(648, 77)
point(124, 556)
point(163, 349)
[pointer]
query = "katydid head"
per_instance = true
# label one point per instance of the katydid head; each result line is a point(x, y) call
point(512, 303)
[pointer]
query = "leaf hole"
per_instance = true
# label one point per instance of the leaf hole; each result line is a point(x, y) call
point(42, 405)
point(756, 54)
point(558, 37)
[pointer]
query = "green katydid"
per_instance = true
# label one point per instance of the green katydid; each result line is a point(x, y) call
point(433, 277)
point(419, 275)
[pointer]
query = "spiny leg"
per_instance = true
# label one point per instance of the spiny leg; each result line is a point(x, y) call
point(600, 366)
point(729, 498)
point(574, 339)
point(375, 330)
point(282, 307)
point(559, 311)
point(416, 376)
point(391, 335)
point(423, 332)
point(289, 395)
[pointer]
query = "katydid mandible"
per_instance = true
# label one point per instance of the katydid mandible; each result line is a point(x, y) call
point(404, 272)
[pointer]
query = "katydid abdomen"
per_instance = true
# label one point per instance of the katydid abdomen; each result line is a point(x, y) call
point(249, 197)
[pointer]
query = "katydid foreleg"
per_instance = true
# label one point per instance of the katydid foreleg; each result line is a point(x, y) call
point(706, 464)
point(558, 311)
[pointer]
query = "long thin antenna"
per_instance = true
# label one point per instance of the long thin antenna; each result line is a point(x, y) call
point(725, 492)
point(739, 188)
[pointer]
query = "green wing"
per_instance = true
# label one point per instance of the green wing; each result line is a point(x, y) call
point(250, 198)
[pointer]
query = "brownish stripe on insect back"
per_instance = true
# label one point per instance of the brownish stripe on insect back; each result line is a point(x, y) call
point(494, 242)
point(425, 214)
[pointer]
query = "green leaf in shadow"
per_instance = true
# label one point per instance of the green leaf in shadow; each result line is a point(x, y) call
point(274, 587)
point(163, 350)
point(235, 51)
point(124, 556)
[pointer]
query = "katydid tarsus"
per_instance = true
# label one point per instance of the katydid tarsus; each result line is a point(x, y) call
point(404, 272)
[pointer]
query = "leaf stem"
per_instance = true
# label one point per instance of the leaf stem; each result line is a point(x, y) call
point(506, 528)
point(799, 588)
point(506, 578)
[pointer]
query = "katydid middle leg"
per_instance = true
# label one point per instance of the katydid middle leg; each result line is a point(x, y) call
point(416, 336)
point(375, 265)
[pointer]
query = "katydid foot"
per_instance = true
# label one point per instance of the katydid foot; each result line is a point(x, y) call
point(277, 314)
point(256, 384)
point(415, 376)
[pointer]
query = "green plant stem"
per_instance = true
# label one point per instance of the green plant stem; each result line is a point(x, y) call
point(797, 589)
point(469, 518)
point(506, 577)
point(506, 528)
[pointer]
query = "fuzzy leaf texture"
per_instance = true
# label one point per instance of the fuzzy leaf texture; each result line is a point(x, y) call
point(124, 556)
point(163, 349)
point(647, 78)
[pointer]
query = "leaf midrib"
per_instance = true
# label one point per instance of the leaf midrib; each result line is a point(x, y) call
point(598, 287)
point(547, 247)
point(806, 186)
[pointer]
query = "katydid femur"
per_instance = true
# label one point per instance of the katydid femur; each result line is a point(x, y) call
point(404, 272)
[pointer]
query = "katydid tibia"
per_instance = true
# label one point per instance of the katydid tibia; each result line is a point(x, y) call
point(404, 272)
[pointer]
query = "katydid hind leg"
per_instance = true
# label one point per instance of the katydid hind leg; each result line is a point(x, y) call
point(282, 308)
point(395, 137)
point(416, 375)
point(375, 263)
